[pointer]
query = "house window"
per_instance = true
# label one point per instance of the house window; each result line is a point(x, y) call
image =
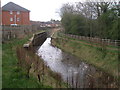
point(11, 19)
point(18, 19)
point(18, 12)
point(11, 12)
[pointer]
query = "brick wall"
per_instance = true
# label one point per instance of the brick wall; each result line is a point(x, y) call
point(24, 18)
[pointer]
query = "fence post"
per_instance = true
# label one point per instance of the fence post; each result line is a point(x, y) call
point(80, 37)
point(87, 38)
point(115, 42)
point(108, 41)
point(102, 41)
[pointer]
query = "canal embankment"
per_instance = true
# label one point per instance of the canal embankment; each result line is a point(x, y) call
point(74, 71)
point(102, 58)
point(14, 76)
point(22, 68)
point(36, 40)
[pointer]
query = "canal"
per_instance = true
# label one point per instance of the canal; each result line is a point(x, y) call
point(74, 71)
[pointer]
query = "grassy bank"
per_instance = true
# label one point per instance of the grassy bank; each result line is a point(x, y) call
point(36, 67)
point(15, 76)
point(12, 75)
point(103, 59)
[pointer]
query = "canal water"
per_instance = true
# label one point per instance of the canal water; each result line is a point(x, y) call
point(77, 73)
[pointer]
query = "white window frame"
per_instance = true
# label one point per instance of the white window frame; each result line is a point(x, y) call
point(11, 19)
point(11, 12)
point(18, 19)
point(18, 12)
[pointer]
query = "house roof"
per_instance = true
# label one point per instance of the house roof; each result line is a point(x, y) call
point(13, 7)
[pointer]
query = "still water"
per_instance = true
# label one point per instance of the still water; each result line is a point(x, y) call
point(73, 70)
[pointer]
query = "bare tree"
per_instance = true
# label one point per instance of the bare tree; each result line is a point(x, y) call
point(66, 8)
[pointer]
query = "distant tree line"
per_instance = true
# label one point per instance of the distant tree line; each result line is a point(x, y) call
point(93, 19)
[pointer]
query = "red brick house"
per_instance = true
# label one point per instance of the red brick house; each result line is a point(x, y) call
point(13, 14)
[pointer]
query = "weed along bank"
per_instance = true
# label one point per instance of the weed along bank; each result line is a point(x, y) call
point(89, 34)
point(79, 49)
point(23, 68)
point(33, 63)
point(104, 61)
point(35, 66)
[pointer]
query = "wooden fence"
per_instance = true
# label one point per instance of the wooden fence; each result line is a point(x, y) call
point(9, 32)
point(95, 40)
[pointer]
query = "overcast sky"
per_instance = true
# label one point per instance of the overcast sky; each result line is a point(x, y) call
point(41, 10)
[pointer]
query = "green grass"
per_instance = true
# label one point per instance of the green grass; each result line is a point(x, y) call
point(99, 48)
point(12, 75)
point(103, 59)
point(63, 36)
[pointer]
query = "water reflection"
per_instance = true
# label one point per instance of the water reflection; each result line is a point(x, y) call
point(72, 70)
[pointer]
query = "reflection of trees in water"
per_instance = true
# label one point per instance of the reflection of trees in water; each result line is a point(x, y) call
point(89, 78)
point(77, 74)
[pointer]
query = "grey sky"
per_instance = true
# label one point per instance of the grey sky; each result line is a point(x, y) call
point(41, 10)
point(44, 10)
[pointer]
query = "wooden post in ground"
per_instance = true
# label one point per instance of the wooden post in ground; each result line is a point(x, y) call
point(115, 42)
point(108, 41)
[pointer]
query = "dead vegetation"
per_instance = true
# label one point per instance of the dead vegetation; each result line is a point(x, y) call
point(33, 65)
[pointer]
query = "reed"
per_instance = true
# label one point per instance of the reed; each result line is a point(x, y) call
point(28, 60)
